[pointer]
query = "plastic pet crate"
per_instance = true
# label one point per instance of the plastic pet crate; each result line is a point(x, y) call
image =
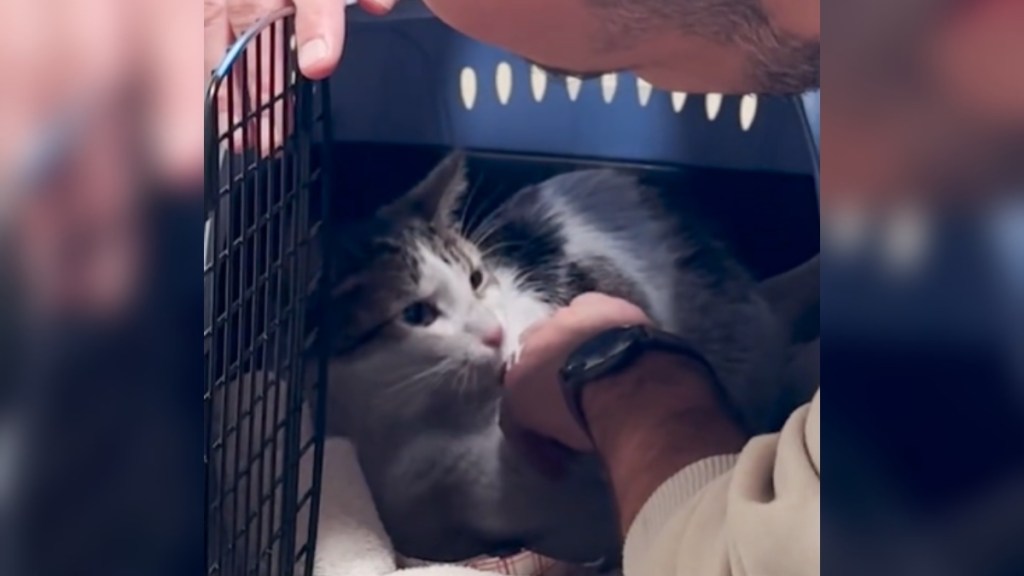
point(408, 90)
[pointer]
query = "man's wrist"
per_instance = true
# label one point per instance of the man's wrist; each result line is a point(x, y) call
point(653, 419)
point(656, 384)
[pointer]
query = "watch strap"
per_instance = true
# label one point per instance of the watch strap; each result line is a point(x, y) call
point(644, 339)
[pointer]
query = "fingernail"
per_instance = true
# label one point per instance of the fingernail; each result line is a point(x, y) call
point(312, 52)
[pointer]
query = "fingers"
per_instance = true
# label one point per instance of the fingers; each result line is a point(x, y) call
point(217, 32)
point(176, 118)
point(28, 60)
point(593, 299)
point(319, 30)
point(267, 70)
point(595, 309)
point(242, 14)
point(379, 7)
point(216, 38)
point(255, 75)
point(319, 37)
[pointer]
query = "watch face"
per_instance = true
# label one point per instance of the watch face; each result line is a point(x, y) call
point(603, 351)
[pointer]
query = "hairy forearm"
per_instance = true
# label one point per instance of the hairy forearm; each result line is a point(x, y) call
point(652, 421)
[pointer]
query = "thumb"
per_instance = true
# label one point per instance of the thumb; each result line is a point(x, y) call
point(319, 34)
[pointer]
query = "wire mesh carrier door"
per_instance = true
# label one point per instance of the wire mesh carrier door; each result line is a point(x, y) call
point(265, 373)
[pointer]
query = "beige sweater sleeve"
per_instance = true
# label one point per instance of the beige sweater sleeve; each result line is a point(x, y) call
point(752, 514)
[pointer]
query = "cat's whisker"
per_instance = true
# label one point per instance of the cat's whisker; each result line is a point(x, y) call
point(486, 228)
point(482, 232)
point(491, 250)
point(520, 280)
point(462, 378)
point(479, 217)
point(437, 370)
point(461, 381)
point(487, 223)
point(464, 220)
point(420, 377)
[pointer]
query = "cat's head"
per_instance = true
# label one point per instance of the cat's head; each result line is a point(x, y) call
point(412, 335)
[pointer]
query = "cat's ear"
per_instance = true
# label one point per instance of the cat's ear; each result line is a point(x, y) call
point(440, 194)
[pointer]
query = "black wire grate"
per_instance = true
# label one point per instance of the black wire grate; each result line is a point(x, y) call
point(265, 377)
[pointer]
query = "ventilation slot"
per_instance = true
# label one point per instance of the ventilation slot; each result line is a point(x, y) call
point(503, 82)
point(467, 87)
point(712, 105)
point(643, 91)
point(678, 101)
point(748, 111)
point(538, 83)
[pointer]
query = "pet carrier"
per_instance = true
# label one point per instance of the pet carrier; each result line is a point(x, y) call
point(408, 90)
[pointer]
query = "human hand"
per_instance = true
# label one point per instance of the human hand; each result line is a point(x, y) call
point(533, 405)
point(319, 37)
point(68, 204)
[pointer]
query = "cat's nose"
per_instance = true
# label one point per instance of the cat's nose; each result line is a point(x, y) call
point(493, 337)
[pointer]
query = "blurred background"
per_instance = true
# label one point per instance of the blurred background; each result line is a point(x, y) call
point(101, 218)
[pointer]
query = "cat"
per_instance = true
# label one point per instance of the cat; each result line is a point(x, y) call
point(425, 315)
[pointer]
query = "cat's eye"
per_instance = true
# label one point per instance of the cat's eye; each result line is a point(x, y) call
point(420, 314)
point(476, 278)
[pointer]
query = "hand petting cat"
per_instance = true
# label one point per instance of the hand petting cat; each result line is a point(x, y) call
point(646, 423)
point(533, 403)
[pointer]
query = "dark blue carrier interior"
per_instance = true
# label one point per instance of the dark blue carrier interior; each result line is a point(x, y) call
point(776, 229)
point(399, 103)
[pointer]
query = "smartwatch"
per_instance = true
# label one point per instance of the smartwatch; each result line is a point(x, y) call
point(614, 350)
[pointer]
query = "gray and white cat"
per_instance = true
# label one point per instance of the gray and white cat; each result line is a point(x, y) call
point(425, 315)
